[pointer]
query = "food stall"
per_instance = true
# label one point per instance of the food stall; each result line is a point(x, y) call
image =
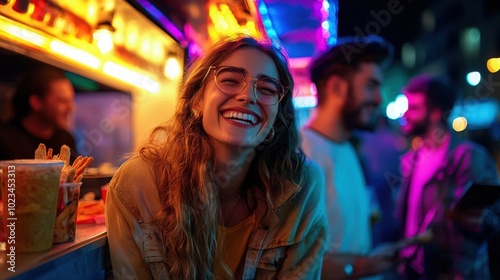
point(118, 59)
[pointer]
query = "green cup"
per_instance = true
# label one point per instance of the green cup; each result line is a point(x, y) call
point(29, 195)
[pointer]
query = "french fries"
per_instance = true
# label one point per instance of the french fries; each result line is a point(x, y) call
point(69, 173)
point(41, 152)
point(68, 197)
point(49, 153)
point(65, 154)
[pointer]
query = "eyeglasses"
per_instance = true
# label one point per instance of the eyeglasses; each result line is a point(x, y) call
point(232, 80)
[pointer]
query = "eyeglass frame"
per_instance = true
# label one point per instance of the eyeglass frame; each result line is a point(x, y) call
point(284, 90)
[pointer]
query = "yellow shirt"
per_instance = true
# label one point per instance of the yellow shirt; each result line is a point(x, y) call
point(234, 242)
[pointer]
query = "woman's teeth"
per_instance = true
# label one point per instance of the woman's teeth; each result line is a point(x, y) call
point(240, 117)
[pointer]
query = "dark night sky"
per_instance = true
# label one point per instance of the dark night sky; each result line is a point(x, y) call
point(357, 15)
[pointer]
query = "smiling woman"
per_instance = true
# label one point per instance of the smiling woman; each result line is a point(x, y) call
point(229, 103)
point(216, 188)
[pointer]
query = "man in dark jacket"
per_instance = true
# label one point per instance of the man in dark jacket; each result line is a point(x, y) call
point(435, 175)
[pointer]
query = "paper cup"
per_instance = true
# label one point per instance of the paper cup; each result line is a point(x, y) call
point(104, 192)
point(29, 195)
point(67, 210)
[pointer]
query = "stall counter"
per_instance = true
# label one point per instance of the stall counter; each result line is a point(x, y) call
point(85, 258)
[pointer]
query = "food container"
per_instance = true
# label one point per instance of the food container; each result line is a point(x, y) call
point(29, 195)
point(67, 210)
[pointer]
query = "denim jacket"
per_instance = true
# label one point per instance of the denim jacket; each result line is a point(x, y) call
point(452, 251)
point(288, 241)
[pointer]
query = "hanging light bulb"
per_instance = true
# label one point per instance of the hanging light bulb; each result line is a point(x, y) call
point(172, 68)
point(103, 35)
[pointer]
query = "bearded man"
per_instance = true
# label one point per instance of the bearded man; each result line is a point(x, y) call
point(44, 104)
point(436, 172)
point(348, 78)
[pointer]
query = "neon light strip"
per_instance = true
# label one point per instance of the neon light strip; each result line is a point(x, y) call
point(266, 20)
point(332, 7)
point(24, 34)
point(131, 77)
point(75, 54)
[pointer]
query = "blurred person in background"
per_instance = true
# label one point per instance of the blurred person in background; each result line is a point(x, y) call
point(348, 78)
point(43, 105)
point(434, 176)
point(380, 152)
point(221, 191)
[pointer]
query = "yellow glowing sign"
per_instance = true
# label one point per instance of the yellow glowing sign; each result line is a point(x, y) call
point(224, 22)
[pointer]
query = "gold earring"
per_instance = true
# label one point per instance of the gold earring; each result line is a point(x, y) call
point(269, 137)
point(197, 114)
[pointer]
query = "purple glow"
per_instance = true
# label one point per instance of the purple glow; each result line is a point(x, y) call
point(165, 22)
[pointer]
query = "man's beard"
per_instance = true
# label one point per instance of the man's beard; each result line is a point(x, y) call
point(420, 128)
point(54, 121)
point(351, 114)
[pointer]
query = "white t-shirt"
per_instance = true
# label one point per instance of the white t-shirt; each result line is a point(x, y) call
point(347, 197)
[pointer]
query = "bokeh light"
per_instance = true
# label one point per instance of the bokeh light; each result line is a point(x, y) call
point(392, 111)
point(473, 78)
point(402, 103)
point(493, 64)
point(459, 124)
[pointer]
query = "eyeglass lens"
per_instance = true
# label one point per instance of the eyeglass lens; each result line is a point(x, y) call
point(231, 80)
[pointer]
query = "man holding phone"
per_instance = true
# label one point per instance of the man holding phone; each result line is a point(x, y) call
point(435, 175)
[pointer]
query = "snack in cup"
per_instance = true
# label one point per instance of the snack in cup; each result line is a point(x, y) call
point(29, 194)
point(67, 209)
point(69, 191)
